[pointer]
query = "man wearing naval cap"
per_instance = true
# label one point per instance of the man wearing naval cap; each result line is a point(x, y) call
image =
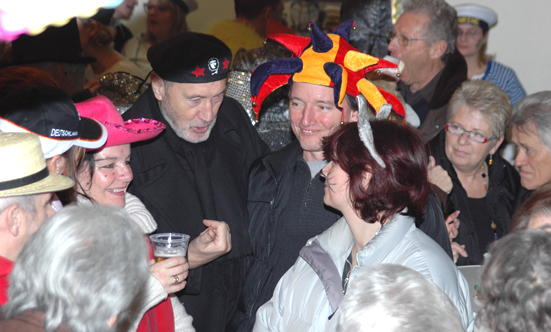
point(195, 175)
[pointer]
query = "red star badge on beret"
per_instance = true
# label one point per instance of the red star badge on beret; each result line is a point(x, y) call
point(226, 63)
point(199, 72)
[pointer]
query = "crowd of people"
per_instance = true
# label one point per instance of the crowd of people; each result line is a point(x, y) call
point(393, 182)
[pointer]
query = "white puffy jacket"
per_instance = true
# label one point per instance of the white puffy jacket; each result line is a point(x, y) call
point(307, 296)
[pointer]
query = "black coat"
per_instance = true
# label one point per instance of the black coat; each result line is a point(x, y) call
point(286, 209)
point(502, 198)
point(182, 183)
point(453, 75)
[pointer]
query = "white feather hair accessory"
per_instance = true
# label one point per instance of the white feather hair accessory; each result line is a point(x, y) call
point(364, 126)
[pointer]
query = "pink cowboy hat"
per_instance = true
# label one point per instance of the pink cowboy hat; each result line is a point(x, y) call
point(118, 131)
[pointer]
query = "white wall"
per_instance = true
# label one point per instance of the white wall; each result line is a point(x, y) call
point(521, 39)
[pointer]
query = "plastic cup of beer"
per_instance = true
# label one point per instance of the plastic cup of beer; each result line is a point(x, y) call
point(166, 245)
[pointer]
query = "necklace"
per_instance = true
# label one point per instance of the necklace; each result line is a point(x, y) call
point(484, 178)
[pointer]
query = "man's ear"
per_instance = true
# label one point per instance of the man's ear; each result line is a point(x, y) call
point(11, 219)
point(266, 12)
point(93, 27)
point(438, 48)
point(56, 164)
point(158, 86)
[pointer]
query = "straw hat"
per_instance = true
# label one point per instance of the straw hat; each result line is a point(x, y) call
point(23, 169)
point(119, 131)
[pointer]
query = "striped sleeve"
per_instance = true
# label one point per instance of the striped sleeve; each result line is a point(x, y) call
point(506, 79)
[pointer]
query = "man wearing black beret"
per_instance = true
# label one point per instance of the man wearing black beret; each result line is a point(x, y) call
point(194, 177)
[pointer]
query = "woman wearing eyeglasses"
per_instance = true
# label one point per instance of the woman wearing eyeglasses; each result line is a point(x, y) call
point(485, 186)
point(474, 21)
point(165, 18)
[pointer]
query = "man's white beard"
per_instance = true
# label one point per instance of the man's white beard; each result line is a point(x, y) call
point(185, 134)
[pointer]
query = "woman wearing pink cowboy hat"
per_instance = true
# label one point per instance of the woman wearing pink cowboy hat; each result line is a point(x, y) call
point(103, 177)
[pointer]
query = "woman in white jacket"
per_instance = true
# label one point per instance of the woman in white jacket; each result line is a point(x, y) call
point(377, 178)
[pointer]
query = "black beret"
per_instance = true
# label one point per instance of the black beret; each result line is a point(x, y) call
point(190, 57)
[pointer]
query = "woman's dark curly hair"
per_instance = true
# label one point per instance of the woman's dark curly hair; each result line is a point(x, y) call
point(402, 184)
point(516, 284)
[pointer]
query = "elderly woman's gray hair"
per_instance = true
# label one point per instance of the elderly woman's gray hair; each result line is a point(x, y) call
point(82, 267)
point(487, 99)
point(534, 109)
point(393, 298)
point(516, 284)
point(442, 23)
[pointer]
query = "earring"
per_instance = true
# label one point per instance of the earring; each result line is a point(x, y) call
point(491, 160)
point(342, 117)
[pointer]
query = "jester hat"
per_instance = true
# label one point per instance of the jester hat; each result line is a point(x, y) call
point(327, 60)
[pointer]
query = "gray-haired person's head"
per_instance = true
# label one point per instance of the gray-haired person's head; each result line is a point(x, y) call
point(534, 110)
point(82, 267)
point(534, 211)
point(26, 202)
point(487, 99)
point(516, 284)
point(395, 298)
point(442, 24)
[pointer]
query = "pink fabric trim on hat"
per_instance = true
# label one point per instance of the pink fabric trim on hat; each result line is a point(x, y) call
point(160, 125)
point(133, 130)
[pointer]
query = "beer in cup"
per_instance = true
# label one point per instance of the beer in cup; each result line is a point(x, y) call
point(166, 245)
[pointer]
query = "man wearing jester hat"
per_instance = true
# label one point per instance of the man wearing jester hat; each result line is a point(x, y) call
point(327, 88)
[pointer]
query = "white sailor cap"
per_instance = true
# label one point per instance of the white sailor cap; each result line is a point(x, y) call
point(481, 16)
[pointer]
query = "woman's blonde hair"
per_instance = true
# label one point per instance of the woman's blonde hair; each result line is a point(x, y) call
point(484, 58)
point(104, 36)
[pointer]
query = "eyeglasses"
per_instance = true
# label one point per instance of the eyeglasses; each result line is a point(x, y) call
point(474, 136)
point(402, 40)
point(159, 9)
point(469, 34)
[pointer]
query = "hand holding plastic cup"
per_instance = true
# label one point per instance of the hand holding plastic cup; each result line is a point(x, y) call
point(166, 245)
